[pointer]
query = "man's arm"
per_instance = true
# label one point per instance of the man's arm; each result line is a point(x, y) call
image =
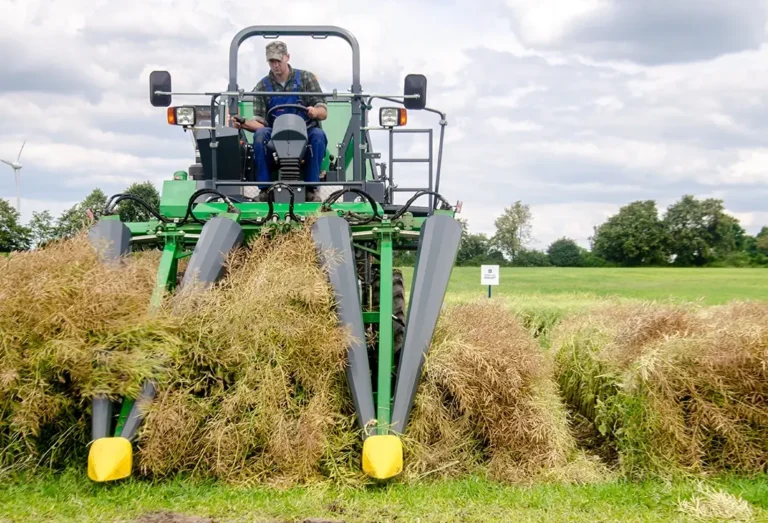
point(317, 107)
point(259, 111)
point(318, 113)
point(260, 106)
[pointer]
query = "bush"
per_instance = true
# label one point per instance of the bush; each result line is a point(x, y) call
point(565, 253)
point(532, 258)
point(739, 259)
point(590, 259)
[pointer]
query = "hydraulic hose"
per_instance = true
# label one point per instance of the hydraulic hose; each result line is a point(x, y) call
point(117, 198)
point(270, 199)
point(230, 206)
point(419, 194)
point(326, 206)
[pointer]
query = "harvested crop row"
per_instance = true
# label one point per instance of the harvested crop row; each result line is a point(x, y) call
point(671, 388)
point(251, 373)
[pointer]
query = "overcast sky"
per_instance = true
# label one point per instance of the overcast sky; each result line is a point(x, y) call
point(575, 107)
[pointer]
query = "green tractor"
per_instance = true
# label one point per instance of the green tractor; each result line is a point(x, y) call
point(206, 212)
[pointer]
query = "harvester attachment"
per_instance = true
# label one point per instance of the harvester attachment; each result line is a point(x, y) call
point(436, 254)
point(332, 236)
point(111, 458)
point(438, 244)
point(333, 239)
point(217, 239)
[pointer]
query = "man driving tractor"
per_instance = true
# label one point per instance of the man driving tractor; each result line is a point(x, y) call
point(285, 79)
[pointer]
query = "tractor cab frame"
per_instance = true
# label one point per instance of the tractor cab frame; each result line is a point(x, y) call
point(224, 154)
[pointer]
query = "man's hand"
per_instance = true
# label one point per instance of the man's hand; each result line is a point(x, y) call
point(248, 125)
point(317, 113)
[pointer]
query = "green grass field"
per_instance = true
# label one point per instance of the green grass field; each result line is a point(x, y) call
point(540, 296)
point(73, 498)
point(712, 286)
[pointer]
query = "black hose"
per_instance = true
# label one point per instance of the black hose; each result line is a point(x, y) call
point(414, 198)
point(200, 192)
point(270, 199)
point(326, 206)
point(117, 198)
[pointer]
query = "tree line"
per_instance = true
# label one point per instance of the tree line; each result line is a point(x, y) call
point(691, 233)
point(44, 228)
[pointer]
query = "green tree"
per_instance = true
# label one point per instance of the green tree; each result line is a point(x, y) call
point(131, 211)
point(77, 217)
point(513, 230)
point(699, 231)
point(404, 258)
point(472, 247)
point(531, 258)
point(635, 236)
point(761, 241)
point(42, 228)
point(13, 235)
point(565, 253)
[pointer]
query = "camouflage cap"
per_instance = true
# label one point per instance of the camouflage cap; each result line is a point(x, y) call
point(276, 50)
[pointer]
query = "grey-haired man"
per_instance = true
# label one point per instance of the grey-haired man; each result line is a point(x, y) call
point(283, 78)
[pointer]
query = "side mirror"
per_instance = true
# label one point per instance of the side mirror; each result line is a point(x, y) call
point(415, 84)
point(160, 81)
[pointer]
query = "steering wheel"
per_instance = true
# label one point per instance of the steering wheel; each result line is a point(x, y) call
point(282, 106)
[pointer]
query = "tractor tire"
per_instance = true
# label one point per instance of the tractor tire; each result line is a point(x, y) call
point(398, 308)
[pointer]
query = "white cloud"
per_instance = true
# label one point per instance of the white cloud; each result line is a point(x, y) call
point(511, 99)
point(751, 221)
point(505, 125)
point(545, 21)
point(751, 168)
point(564, 132)
point(572, 220)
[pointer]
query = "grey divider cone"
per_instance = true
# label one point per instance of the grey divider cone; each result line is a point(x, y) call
point(101, 418)
point(218, 237)
point(112, 240)
point(135, 416)
point(333, 240)
point(436, 254)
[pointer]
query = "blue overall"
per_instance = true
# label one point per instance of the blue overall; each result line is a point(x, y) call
point(316, 138)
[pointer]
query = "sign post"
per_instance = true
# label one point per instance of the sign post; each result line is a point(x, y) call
point(489, 275)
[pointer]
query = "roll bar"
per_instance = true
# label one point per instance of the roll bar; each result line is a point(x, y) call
point(319, 32)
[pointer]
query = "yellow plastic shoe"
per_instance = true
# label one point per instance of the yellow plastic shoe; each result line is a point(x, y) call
point(382, 456)
point(110, 459)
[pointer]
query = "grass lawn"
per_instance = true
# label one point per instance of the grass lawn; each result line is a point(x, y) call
point(73, 498)
point(712, 286)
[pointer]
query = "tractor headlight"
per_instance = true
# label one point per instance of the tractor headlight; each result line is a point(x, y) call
point(185, 116)
point(181, 115)
point(392, 117)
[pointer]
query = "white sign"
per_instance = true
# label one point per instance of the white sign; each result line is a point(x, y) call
point(489, 275)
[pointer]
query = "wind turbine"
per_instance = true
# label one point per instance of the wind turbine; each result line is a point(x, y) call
point(16, 166)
